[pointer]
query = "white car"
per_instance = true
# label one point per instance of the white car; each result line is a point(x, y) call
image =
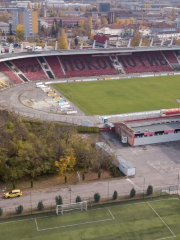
point(28, 47)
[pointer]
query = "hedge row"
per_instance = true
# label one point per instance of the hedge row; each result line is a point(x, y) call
point(87, 129)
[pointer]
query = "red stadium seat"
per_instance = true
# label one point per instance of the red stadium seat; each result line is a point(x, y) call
point(9, 73)
point(55, 66)
point(170, 56)
point(31, 68)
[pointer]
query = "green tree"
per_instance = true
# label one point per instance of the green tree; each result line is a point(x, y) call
point(62, 40)
point(19, 209)
point(83, 176)
point(76, 41)
point(149, 190)
point(132, 192)
point(97, 197)
point(1, 212)
point(78, 199)
point(115, 195)
point(40, 206)
point(99, 175)
point(65, 179)
point(59, 200)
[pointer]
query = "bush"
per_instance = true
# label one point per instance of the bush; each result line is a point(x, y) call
point(78, 199)
point(32, 183)
point(83, 176)
point(87, 129)
point(132, 192)
point(99, 174)
point(149, 190)
point(115, 172)
point(19, 209)
point(1, 212)
point(58, 200)
point(65, 179)
point(115, 195)
point(97, 197)
point(40, 206)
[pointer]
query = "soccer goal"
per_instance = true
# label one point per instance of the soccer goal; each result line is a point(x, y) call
point(71, 206)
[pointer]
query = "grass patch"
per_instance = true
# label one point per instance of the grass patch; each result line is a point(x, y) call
point(135, 221)
point(124, 95)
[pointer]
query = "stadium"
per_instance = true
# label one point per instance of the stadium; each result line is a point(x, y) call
point(85, 66)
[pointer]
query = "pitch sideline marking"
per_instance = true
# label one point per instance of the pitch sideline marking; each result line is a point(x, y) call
point(111, 213)
point(36, 224)
point(161, 219)
point(78, 224)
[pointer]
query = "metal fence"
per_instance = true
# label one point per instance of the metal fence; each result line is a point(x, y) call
point(69, 196)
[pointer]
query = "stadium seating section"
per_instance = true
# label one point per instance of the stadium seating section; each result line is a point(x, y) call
point(91, 65)
point(9, 73)
point(55, 66)
point(31, 68)
point(144, 62)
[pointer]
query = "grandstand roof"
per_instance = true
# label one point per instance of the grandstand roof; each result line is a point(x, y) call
point(99, 51)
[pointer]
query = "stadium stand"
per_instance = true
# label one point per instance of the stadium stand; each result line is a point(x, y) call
point(87, 65)
point(55, 66)
point(9, 73)
point(31, 68)
point(144, 62)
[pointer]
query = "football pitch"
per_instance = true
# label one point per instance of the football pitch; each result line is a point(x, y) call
point(152, 220)
point(123, 95)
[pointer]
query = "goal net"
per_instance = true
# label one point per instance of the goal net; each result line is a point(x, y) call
point(71, 206)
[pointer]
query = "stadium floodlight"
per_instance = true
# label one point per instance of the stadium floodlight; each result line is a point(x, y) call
point(71, 206)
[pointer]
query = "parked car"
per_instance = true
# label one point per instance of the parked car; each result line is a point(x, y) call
point(13, 193)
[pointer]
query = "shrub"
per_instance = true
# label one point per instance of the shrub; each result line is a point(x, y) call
point(40, 206)
point(97, 197)
point(149, 190)
point(19, 209)
point(99, 174)
point(1, 212)
point(58, 200)
point(32, 183)
point(78, 199)
point(115, 195)
point(65, 179)
point(83, 176)
point(132, 192)
point(115, 172)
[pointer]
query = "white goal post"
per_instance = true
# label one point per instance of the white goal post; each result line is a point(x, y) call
point(71, 206)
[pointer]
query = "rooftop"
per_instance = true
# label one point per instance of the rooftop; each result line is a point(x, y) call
point(155, 126)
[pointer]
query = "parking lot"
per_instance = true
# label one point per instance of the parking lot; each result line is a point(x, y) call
point(158, 163)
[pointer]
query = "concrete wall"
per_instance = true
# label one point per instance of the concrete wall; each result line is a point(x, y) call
point(157, 139)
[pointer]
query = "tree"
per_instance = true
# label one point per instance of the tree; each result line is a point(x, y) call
point(83, 176)
point(89, 23)
point(58, 200)
point(67, 162)
point(99, 174)
point(28, 6)
point(1, 212)
point(131, 20)
point(40, 206)
point(116, 21)
point(20, 32)
point(136, 39)
point(76, 41)
point(65, 179)
point(104, 20)
point(81, 23)
point(78, 199)
point(132, 192)
point(115, 195)
point(97, 197)
point(62, 44)
point(60, 23)
point(36, 6)
point(149, 190)
point(10, 29)
point(19, 209)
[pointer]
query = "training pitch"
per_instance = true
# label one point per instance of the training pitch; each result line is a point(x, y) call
point(152, 220)
point(123, 95)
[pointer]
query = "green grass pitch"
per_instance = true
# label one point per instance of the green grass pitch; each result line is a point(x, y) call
point(123, 95)
point(153, 220)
